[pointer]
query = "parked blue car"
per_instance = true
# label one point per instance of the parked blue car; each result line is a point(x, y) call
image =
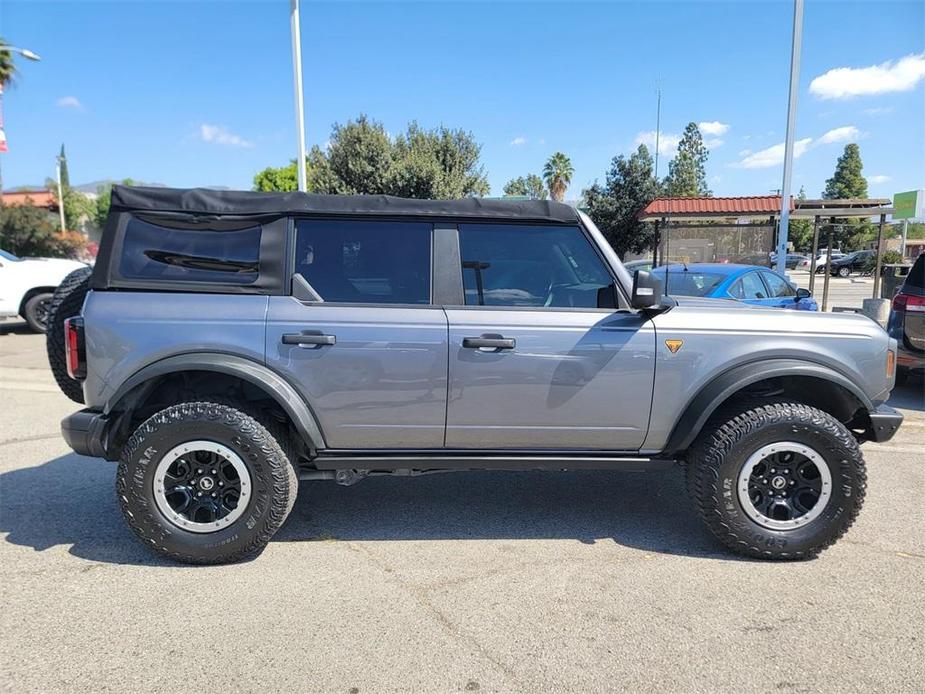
point(749, 284)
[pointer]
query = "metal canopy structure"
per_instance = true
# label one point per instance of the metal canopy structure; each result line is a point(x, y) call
point(752, 212)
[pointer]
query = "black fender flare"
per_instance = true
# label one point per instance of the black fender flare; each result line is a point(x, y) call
point(701, 407)
point(247, 370)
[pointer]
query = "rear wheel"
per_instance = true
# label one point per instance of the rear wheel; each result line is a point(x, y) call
point(36, 311)
point(777, 480)
point(205, 483)
point(67, 301)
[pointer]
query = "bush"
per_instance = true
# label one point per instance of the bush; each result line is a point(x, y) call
point(26, 230)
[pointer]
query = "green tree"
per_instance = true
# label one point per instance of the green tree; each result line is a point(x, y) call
point(687, 176)
point(27, 230)
point(558, 173)
point(99, 210)
point(530, 186)
point(62, 162)
point(800, 230)
point(77, 206)
point(7, 65)
point(440, 163)
point(630, 186)
point(847, 181)
point(361, 158)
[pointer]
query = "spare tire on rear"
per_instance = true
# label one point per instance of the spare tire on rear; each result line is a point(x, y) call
point(67, 302)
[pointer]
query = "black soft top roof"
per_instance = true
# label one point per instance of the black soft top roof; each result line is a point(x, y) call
point(233, 202)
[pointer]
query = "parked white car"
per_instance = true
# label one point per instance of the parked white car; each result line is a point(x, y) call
point(820, 261)
point(27, 285)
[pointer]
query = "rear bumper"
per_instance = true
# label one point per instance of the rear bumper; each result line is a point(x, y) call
point(884, 422)
point(83, 431)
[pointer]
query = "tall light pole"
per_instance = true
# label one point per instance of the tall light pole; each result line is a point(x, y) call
point(60, 191)
point(788, 143)
point(28, 55)
point(299, 104)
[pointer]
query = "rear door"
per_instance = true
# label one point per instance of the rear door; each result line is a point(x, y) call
point(370, 358)
point(539, 357)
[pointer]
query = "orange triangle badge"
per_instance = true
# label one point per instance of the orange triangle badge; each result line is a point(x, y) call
point(674, 345)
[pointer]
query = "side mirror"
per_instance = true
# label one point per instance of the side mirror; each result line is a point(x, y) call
point(802, 294)
point(647, 290)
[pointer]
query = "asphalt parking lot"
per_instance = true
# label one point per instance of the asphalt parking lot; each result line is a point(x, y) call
point(482, 582)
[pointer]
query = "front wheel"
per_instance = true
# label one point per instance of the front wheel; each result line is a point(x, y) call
point(36, 311)
point(777, 480)
point(844, 271)
point(205, 483)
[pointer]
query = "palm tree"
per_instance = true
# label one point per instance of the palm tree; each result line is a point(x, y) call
point(558, 174)
point(7, 68)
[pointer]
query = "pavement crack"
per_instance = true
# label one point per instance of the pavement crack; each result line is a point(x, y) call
point(24, 439)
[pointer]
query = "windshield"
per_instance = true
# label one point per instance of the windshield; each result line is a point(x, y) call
point(9, 256)
point(689, 282)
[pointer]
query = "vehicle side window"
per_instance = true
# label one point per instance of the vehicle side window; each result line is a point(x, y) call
point(749, 287)
point(545, 266)
point(365, 261)
point(777, 285)
point(155, 252)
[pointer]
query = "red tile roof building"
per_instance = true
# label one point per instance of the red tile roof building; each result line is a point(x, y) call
point(38, 198)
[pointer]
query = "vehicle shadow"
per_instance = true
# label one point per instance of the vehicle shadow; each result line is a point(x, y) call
point(910, 395)
point(71, 501)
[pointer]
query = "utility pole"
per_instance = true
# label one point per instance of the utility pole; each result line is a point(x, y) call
point(658, 126)
point(299, 104)
point(795, 47)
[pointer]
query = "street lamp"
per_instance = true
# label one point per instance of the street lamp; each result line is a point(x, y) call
point(28, 55)
point(297, 75)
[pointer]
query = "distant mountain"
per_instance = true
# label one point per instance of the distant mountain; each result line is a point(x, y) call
point(93, 185)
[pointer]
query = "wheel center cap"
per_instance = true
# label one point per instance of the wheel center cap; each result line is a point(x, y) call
point(206, 483)
point(778, 482)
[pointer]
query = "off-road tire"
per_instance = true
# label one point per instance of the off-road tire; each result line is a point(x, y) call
point(32, 312)
point(66, 302)
point(273, 477)
point(715, 460)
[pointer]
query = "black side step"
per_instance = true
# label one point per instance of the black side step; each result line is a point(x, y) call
point(472, 461)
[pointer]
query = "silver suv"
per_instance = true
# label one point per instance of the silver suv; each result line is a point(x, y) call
point(230, 344)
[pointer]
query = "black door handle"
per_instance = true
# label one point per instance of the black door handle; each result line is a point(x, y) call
point(489, 342)
point(315, 339)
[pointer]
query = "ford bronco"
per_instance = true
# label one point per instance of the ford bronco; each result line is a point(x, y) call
point(230, 344)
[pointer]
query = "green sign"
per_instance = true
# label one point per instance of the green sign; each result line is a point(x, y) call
point(908, 205)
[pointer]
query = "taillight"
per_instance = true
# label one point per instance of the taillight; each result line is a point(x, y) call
point(909, 303)
point(74, 348)
point(890, 363)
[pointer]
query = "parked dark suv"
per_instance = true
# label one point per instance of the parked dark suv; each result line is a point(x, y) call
point(228, 345)
point(907, 321)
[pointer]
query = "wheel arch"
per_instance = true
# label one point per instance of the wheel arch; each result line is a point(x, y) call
point(144, 381)
point(32, 291)
point(808, 382)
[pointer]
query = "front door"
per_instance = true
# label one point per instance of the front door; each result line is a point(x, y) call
point(371, 358)
point(539, 358)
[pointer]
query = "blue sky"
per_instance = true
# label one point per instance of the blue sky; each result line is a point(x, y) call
point(200, 93)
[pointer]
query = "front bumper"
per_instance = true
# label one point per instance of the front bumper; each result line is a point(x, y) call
point(884, 422)
point(83, 431)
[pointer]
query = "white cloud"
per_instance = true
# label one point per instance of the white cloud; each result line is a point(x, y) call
point(843, 134)
point(880, 178)
point(713, 142)
point(667, 142)
point(713, 127)
point(773, 155)
point(744, 152)
point(892, 76)
point(518, 141)
point(220, 135)
point(70, 102)
point(878, 111)
point(542, 140)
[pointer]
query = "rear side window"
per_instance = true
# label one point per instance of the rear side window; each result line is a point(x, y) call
point(365, 261)
point(778, 287)
point(154, 252)
point(540, 266)
point(749, 287)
